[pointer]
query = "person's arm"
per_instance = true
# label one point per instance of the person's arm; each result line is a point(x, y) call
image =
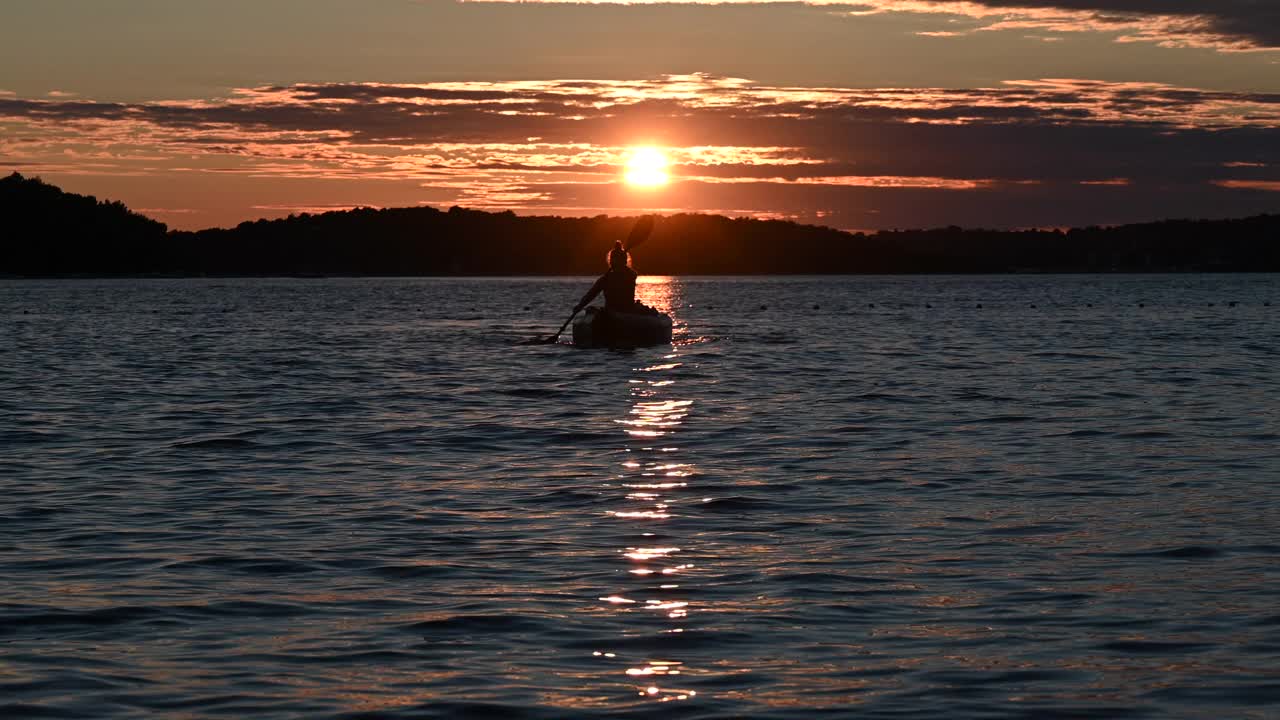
point(591, 295)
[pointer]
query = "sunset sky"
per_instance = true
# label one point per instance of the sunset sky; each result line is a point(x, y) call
point(860, 115)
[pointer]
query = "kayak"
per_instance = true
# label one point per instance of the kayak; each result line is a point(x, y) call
point(606, 328)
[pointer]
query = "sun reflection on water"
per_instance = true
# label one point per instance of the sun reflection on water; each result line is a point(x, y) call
point(654, 479)
point(657, 291)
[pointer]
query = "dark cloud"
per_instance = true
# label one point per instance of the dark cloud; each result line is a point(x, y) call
point(1050, 204)
point(1238, 23)
point(1255, 20)
point(1226, 24)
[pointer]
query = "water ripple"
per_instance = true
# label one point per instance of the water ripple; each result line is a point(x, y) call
point(366, 499)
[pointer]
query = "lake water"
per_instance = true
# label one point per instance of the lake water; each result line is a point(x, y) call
point(959, 497)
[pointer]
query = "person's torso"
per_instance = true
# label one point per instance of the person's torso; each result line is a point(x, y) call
point(620, 288)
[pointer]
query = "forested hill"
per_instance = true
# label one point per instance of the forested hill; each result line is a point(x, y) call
point(55, 233)
point(50, 232)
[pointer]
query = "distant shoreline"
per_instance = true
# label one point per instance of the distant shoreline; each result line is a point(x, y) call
point(52, 234)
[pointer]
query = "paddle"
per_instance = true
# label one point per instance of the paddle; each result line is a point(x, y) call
point(553, 338)
point(639, 233)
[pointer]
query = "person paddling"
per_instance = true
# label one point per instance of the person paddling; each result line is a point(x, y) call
point(618, 285)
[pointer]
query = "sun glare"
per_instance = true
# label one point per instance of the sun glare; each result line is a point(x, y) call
point(647, 167)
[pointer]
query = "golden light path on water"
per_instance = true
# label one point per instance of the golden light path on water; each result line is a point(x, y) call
point(653, 481)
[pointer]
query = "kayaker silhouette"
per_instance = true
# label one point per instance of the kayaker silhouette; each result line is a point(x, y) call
point(618, 285)
point(622, 321)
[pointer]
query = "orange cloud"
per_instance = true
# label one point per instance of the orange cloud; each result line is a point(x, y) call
point(1264, 185)
point(566, 143)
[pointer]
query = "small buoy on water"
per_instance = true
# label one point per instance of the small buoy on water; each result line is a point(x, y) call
point(1089, 305)
point(1233, 303)
point(871, 305)
point(1033, 305)
point(1142, 305)
point(927, 305)
point(526, 307)
point(764, 307)
point(979, 305)
point(815, 306)
point(1210, 304)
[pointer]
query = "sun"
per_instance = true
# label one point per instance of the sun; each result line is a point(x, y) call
point(647, 167)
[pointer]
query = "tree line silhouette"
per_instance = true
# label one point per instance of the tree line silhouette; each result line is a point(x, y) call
point(53, 233)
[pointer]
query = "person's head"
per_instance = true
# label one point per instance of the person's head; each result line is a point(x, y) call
point(618, 256)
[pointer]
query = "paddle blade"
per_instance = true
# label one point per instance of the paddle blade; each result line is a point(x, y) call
point(553, 338)
point(541, 340)
point(640, 232)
